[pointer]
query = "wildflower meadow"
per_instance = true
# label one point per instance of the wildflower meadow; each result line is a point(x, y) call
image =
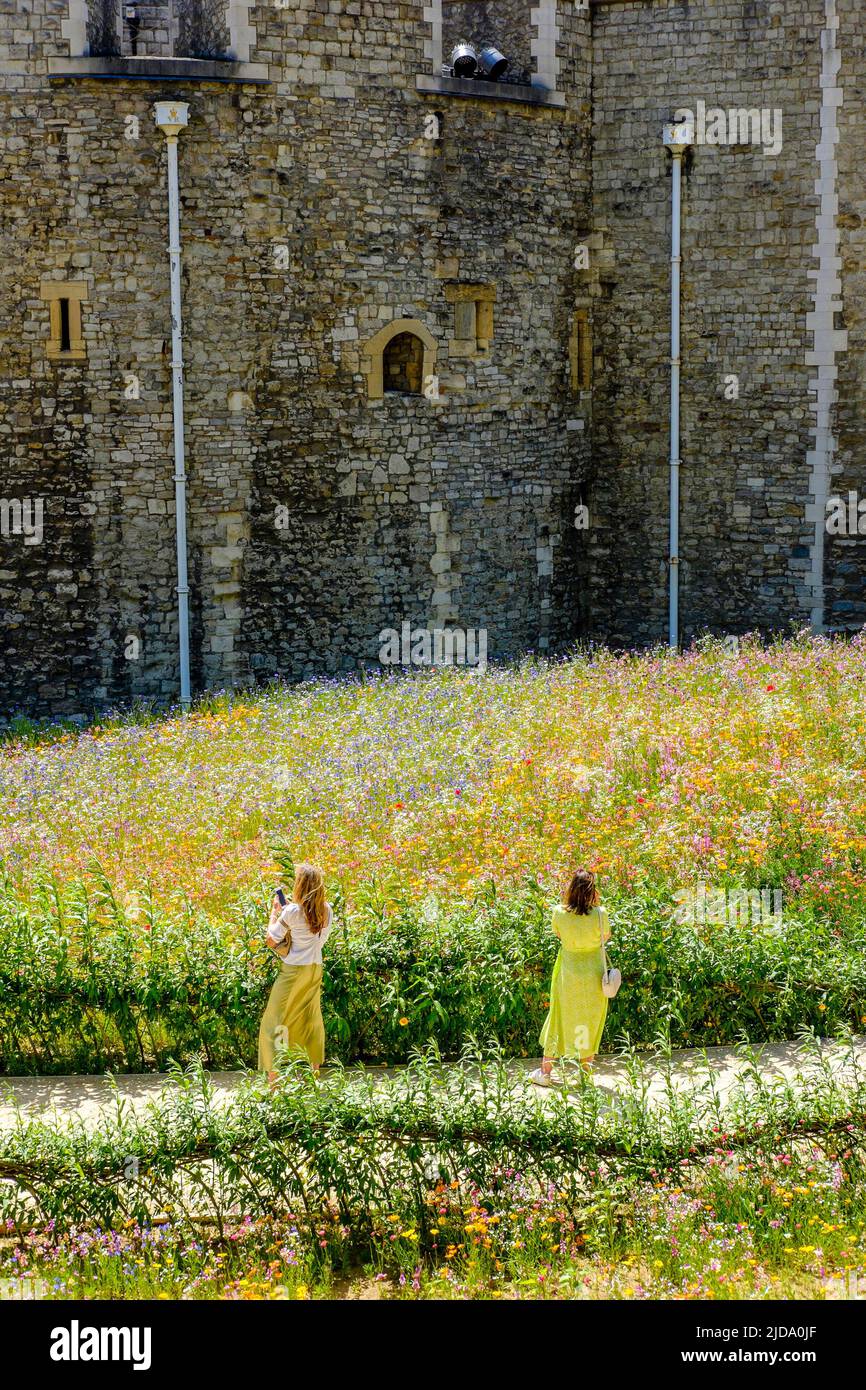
point(657, 770)
point(719, 795)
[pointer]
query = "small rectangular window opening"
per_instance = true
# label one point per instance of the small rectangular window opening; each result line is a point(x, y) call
point(65, 340)
point(584, 354)
point(580, 349)
point(473, 318)
point(65, 337)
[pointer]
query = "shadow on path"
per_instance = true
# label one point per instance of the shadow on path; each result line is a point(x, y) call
point(86, 1097)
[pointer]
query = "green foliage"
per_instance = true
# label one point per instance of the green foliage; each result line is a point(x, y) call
point(86, 984)
point(374, 1144)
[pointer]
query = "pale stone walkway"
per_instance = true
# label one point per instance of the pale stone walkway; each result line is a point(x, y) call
point(86, 1097)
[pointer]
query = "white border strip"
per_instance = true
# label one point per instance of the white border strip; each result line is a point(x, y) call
point(826, 339)
point(74, 28)
point(543, 46)
point(432, 15)
point(242, 32)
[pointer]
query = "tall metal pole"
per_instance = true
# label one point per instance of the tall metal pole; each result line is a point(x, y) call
point(677, 138)
point(171, 117)
point(674, 538)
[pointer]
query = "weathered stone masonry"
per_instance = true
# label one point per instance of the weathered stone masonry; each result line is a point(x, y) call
point(320, 206)
point(772, 293)
point(315, 211)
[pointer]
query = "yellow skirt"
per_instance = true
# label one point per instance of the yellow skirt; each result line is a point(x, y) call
point(292, 1023)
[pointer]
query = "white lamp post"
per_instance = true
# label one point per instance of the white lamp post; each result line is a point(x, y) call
point(171, 117)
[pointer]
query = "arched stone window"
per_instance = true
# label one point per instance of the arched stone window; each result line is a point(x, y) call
point(400, 358)
point(403, 365)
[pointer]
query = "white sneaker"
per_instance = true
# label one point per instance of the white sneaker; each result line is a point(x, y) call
point(544, 1078)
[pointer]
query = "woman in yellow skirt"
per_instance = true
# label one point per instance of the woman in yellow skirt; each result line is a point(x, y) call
point(292, 1023)
point(578, 1007)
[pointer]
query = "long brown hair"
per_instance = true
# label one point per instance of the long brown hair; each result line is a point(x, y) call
point(309, 894)
point(582, 895)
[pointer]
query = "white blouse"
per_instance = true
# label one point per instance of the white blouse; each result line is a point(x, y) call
point(307, 945)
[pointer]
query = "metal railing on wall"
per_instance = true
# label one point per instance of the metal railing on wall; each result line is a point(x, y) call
point(158, 28)
point(149, 27)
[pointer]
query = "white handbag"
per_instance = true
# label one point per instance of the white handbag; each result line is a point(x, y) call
point(611, 979)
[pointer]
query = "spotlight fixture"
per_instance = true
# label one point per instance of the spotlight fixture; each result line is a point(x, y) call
point(464, 60)
point(492, 63)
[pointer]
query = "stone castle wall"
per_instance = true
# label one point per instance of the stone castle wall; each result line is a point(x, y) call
point(315, 209)
point(332, 197)
point(844, 586)
point(758, 242)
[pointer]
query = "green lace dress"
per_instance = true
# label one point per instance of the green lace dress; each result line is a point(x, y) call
point(578, 1009)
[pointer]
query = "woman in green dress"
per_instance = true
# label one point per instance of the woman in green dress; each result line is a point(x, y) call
point(578, 1007)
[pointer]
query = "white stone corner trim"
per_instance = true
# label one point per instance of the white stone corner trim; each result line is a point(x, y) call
point(827, 340)
point(543, 46)
point(74, 28)
point(446, 581)
point(173, 26)
point(242, 32)
point(432, 15)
